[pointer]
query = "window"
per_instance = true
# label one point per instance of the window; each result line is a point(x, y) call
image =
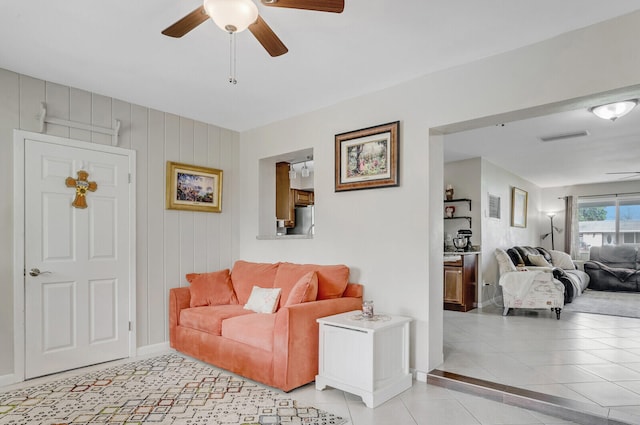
point(608, 220)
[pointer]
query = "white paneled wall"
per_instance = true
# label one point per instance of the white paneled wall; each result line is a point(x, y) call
point(169, 243)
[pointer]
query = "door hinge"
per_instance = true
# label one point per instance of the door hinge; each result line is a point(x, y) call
point(129, 177)
point(130, 326)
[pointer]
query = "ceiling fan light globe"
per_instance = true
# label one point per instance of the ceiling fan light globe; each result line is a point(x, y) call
point(232, 15)
point(613, 111)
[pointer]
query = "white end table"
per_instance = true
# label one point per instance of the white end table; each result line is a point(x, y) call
point(368, 358)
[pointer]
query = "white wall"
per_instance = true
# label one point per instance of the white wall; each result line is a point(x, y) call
point(392, 238)
point(499, 233)
point(169, 243)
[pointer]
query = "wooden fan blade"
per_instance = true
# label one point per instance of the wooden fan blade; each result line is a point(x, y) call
point(335, 6)
point(187, 23)
point(269, 40)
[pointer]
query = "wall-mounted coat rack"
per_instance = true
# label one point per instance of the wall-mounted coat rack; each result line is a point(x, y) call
point(44, 119)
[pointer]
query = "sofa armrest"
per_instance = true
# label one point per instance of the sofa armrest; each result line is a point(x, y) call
point(622, 274)
point(353, 290)
point(593, 265)
point(295, 345)
point(179, 299)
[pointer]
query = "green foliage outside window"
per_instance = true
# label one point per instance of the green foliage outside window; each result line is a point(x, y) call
point(592, 214)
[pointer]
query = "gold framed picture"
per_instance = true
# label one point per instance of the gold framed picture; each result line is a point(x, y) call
point(519, 199)
point(193, 188)
point(367, 158)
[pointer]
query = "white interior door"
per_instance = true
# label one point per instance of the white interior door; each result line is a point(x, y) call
point(77, 307)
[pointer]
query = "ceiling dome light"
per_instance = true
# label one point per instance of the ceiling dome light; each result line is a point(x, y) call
point(613, 111)
point(232, 15)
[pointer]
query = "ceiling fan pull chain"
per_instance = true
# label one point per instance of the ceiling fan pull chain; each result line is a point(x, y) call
point(232, 58)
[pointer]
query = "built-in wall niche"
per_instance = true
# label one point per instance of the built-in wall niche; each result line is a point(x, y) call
point(286, 192)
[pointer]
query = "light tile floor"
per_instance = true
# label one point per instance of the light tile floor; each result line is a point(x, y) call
point(590, 358)
point(423, 404)
point(585, 357)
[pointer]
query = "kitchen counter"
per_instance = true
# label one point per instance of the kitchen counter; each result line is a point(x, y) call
point(278, 237)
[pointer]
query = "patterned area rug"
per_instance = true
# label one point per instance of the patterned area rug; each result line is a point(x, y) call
point(163, 390)
point(626, 304)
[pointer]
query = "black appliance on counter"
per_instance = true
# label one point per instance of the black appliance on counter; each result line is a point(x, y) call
point(462, 241)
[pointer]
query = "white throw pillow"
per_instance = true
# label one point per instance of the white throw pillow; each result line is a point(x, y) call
point(562, 260)
point(263, 300)
point(538, 260)
point(505, 265)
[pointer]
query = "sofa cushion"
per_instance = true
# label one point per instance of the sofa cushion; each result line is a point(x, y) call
point(524, 252)
point(255, 330)
point(211, 289)
point(515, 256)
point(538, 260)
point(245, 275)
point(305, 290)
point(562, 260)
point(621, 256)
point(546, 254)
point(209, 318)
point(263, 300)
point(332, 279)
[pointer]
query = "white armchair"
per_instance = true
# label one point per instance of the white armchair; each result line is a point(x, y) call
point(528, 289)
point(531, 289)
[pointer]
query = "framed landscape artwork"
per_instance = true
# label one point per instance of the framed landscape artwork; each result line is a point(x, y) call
point(518, 207)
point(193, 188)
point(367, 158)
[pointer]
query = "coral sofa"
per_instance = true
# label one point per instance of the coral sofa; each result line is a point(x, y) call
point(208, 320)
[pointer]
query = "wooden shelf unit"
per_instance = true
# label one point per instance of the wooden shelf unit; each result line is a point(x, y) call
point(464, 217)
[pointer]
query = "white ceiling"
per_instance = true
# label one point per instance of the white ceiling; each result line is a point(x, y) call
point(516, 147)
point(115, 48)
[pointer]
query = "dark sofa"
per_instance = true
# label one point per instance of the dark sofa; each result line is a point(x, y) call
point(575, 281)
point(614, 268)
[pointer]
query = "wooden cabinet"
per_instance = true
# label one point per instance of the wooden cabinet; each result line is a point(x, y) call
point(302, 198)
point(284, 200)
point(460, 282)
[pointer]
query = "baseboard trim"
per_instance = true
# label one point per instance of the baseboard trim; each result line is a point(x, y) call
point(148, 350)
point(12, 378)
point(575, 411)
point(419, 375)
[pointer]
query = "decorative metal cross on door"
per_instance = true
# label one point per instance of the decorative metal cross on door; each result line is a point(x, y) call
point(82, 185)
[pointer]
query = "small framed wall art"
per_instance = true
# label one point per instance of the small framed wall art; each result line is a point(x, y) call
point(193, 188)
point(367, 158)
point(518, 207)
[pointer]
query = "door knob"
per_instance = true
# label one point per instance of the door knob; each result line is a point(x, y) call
point(36, 272)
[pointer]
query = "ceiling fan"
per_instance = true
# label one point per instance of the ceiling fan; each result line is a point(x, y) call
point(237, 15)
